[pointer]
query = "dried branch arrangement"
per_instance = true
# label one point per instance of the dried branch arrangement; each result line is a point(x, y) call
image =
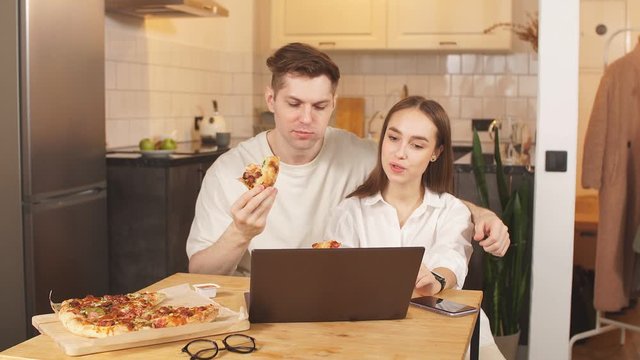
point(527, 32)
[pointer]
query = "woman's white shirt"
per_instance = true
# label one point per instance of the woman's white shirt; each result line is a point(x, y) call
point(441, 224)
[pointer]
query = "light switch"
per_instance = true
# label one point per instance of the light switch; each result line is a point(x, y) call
point(555, 161)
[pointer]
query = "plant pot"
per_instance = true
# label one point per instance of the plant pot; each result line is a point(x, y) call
point(508, 345)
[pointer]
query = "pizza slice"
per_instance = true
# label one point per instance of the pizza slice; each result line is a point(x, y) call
point(264, 174)
point(329, 244)
point(170, 316)
point(102, 316)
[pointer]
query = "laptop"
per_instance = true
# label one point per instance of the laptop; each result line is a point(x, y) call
point(347, 284)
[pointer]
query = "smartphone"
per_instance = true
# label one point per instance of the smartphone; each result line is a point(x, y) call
point(442, 306)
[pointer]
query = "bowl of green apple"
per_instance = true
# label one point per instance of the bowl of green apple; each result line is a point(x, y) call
point(160, 148)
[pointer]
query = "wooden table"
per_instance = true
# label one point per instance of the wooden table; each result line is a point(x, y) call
point(422, 334)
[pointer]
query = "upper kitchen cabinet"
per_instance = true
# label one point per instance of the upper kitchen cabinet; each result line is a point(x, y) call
point(329, 24)
point(391, 24)
point(448, 25)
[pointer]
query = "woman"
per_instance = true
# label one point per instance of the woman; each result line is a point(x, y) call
point(406, 201)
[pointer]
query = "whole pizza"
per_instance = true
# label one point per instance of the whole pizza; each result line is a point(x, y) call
point(110, 315)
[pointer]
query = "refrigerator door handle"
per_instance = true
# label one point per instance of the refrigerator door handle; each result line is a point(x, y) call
point(76, 196)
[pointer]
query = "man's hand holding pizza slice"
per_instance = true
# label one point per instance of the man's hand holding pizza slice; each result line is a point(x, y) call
point(250, 211)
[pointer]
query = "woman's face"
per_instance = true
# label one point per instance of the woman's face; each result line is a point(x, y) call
point(408, 146)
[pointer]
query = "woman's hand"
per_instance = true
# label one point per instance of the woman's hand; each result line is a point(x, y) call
point(426, 283)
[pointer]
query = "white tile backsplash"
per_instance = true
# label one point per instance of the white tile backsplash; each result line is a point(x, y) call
point(427, 64)
point(494, 64)
point(374, 85)
point(394, 84)
point(156, 85)
point(517, 64)
point(462, 85)
point(493, 107)
point(384, 63)
point(472, 64)
point(532, 108)
point(517, 107)
point(418, 85)
point(461, 130)
point(440, 85)
point(528, 86)
point(242, 83)
point(506, 85)
point(484, 85)
point(406, 64)
point(110, 75)
point(351, 85)
point(452, 63)
point(451, 105)
point(533, 64)
point(470, 107)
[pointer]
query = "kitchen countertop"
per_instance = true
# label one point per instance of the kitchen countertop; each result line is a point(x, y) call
point(186, 152)
point(463, 165)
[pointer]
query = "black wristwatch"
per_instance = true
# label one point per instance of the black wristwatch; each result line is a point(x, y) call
point(441, 280)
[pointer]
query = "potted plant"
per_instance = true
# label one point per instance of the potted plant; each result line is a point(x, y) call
point(506, 279)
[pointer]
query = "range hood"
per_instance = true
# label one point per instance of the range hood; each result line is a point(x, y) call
point(166, 8)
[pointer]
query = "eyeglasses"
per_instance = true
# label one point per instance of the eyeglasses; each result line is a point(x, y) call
point(204, 349)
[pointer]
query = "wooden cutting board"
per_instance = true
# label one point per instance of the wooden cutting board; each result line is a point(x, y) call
point(74, 345)
point(350, 115)
point(228, 321)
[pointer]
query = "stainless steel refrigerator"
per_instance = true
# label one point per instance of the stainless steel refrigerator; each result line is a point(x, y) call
point(56, 102)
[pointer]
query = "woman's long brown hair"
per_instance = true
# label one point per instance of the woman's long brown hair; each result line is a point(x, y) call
point(439, 174)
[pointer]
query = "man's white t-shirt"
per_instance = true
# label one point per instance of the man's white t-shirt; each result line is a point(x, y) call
point(306, 193)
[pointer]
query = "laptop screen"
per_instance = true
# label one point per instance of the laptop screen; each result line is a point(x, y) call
point(294, 285)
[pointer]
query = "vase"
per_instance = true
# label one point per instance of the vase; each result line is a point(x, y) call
point(508, 345)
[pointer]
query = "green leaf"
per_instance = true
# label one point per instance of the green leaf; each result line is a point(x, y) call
point(477, 162)
point(502, 182)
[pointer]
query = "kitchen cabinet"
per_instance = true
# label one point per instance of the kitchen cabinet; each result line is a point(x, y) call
point(447, 25)
point(151, 205)
point(391, 24)
point(329, 24)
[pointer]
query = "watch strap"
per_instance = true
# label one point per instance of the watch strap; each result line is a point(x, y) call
point(441, 280)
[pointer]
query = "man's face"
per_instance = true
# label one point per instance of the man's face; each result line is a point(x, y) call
point(302, 109)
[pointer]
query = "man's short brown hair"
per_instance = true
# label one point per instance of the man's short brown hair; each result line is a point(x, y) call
point(301, 60)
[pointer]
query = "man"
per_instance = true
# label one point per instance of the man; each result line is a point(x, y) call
point(319, 166)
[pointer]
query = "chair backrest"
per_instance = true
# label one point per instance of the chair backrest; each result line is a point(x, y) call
point(475, 275)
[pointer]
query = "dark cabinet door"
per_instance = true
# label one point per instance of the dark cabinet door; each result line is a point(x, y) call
point(183, 186)
point(151, 209)
point(137, 227)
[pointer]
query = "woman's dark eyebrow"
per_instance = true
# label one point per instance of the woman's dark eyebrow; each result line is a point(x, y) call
point(413, 137)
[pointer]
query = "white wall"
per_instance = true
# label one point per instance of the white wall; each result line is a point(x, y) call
point(161, 73)
point(554, 193)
